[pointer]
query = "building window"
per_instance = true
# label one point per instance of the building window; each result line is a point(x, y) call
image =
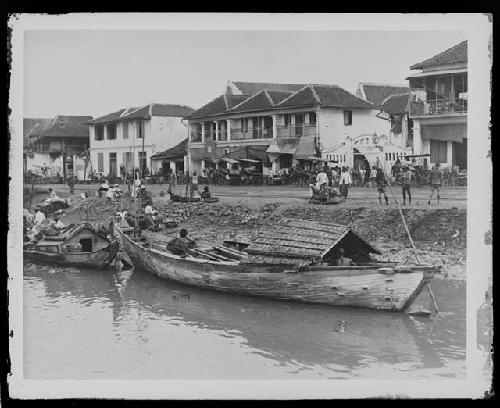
point(100, 162)
point(61, 125)
point(312, 118)
point(125, 130)
point(99, 132)
point(112, 164)
point(140, 129)
point(142, 161)
point(438, 151)
point(111, 131)
point(347, 118)
point(286, 119)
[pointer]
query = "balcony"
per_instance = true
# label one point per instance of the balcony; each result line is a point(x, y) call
point(72, 149)
point(445, 107)
point(196, 136)
point(296, 131)
point(249, 134)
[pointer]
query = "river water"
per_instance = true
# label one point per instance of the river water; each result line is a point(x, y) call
point(89, 324)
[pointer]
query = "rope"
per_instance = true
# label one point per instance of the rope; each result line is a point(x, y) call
point(400, 212)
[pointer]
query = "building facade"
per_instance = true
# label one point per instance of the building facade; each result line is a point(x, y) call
point(276, 126)
point(53, 146)
point(440, 116)
point(129, 137)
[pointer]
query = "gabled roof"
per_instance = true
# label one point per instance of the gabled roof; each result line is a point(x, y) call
point(293, 241)
point(145, 112)
point(259, 101)
point(325, 95)
point(454, 55)
point(251, 88)
point(67, 126)
point(178, 150)
point(376, 93)
point(219, 105)
point(395, 104)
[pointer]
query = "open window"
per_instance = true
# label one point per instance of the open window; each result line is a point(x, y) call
point(86, 244)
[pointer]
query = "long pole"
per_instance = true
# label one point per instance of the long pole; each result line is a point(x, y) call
point(400, 211)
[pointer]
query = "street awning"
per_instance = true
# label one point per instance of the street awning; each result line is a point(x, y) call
point(453, 133)
point(250, 160)
point(230, 161)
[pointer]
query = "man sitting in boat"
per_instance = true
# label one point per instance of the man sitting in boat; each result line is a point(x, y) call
point(342, 260)
point(181, 244)
point(58, 223)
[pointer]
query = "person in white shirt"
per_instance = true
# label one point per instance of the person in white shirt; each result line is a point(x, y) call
point(52, 194)
point(344, 182)
point(362, 174)
point(39, 217)
point(58, 223)
point(373, 176)
point(321, 178)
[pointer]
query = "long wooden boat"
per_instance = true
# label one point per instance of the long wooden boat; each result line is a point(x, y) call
point(78, 246)
point(293, 261)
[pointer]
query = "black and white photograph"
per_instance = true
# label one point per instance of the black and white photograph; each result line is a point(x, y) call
point(250, 206)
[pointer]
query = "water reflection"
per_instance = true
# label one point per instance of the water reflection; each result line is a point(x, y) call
point(296, 336)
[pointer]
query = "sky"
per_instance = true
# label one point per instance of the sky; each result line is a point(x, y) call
point(95, 72)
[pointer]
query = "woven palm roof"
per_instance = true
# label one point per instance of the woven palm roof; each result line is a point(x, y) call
point(454, 55)
point(301, 242)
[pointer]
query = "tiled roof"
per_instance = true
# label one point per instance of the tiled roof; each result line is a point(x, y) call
point(174, 111)
point(325, 95)
point(179, 149)
point(251, 88)
point(376, 93)
point(145, 112)
point(259, 101)
point(395, 104)
point(219, 105)
point(454, 55)
point(278, 96)
point(68, 126)
point(110, 117)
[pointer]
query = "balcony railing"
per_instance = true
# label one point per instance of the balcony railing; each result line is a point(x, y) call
point(255, 133)
point(445, 106)
point(296, 131)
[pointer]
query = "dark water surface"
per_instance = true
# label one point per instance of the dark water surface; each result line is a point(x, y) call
point(86, 324)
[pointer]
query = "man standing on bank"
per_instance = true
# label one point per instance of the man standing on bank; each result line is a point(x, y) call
point(381, 182)
point(406, 178)
point(436, 183)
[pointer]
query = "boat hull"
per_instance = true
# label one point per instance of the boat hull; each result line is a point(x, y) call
point(97, 259)
point(364, 287)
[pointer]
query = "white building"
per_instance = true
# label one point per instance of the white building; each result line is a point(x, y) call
point(366, 151)
point(130, 137)
point(440, 120)
point(278, 125)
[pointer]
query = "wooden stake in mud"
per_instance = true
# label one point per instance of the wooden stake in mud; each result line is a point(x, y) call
point(400, 212)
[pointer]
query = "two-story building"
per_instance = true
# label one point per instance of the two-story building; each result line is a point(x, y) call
point(54, 146)
point(440, 120)
point(276, 125)
point(130, 137)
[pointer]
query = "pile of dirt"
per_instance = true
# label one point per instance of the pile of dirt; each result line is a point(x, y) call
point(438, 228)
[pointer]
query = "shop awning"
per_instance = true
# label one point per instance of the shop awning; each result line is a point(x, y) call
point(453, 132)
point(250, 160)
point(229, 160)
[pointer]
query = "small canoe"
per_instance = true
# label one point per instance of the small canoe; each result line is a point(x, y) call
point(298, 276)
point(79, 246)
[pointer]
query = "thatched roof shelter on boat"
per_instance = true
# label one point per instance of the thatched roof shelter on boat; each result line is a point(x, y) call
point(302, 242)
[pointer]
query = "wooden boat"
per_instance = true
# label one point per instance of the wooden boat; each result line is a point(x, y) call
point(78, 246)
point(291, 261)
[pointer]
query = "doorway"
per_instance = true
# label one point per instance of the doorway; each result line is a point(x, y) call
point(459, 156)
point(86, 244)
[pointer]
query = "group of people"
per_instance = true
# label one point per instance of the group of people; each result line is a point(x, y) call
point(328, 177)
